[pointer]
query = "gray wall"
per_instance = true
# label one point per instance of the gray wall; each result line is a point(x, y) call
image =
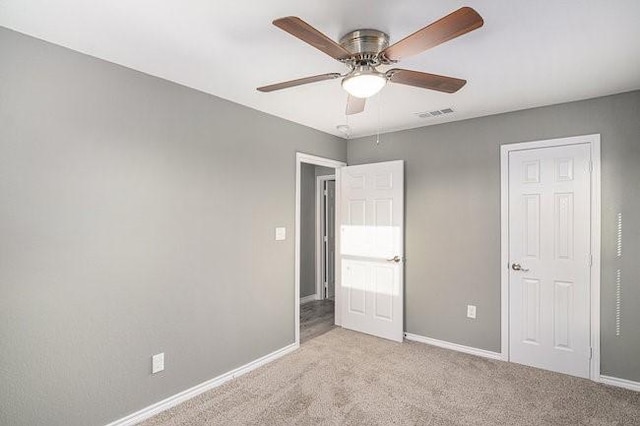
point(453, 218)
point(136, 216)
point(307, 230)
point(309, 172)
point(324, 171)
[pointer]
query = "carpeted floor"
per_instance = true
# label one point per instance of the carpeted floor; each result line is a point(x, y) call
point(343, 377)
point(316, 318)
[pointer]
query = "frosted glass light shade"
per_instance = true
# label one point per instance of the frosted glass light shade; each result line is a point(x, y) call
point(364, 85)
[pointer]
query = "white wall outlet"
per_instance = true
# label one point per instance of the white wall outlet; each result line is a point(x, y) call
point(471, 311)
point(157, 363)
point(281, 233)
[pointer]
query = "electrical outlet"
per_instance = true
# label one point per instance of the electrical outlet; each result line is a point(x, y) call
point(471, 311)
point(157, 363)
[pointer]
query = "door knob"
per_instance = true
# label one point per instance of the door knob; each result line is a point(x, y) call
point(394, 259)
point(517, 267)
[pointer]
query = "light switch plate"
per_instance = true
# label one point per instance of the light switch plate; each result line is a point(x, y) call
point(471, 311)
point(281, 233)
point(157, 363)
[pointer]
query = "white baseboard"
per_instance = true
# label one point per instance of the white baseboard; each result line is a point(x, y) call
point(308, 299)
point(453, 346)
point(621, 383)
point(178, 398)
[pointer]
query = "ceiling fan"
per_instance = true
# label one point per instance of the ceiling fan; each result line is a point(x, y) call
point(366, 49)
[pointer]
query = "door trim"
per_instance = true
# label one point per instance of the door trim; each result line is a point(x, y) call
point(319, 219)
point(317, 161)
point(594, 143)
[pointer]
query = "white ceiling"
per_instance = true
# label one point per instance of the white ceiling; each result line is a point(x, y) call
point(527, 54)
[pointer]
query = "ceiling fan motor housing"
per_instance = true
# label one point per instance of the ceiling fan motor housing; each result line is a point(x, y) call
point(366, 44)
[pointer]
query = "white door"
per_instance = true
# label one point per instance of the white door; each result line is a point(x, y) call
point(372, 249)
point(549, 240)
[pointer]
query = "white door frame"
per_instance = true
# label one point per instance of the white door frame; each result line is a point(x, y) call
point(505, 149)
point(319, 243)
point(318, 161)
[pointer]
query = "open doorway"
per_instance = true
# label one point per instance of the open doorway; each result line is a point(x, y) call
point(317, 250)
point(369, 249)
point(315, 246)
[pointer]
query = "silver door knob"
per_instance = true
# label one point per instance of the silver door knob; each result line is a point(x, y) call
point(517, 267)
point(394, 259)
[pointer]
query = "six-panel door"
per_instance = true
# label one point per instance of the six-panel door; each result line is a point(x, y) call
point(372, 204)
point(549, 243)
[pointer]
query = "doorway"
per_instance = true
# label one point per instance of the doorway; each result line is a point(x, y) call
point(550, 253)
point(369, 232)
point(317, 243)
point(315, 255)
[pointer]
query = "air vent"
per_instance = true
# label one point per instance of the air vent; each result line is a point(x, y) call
point(435, 114)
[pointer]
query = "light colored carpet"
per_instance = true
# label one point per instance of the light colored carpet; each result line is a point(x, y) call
point(316, 318)
point(342, 377)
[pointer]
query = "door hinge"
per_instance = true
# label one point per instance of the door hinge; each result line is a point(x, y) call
point(326, 239)
point(326, 192)
point(590, 353)
point(590, 260)
point(590, 166)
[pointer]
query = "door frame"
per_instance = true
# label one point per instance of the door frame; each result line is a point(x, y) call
point(320, 218)
point(594, 142)
point(317, 161)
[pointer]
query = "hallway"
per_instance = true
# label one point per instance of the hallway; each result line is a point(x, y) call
point(316, 318)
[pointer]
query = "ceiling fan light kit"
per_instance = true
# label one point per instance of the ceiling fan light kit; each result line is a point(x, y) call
point(365, 49)
point(364, 82)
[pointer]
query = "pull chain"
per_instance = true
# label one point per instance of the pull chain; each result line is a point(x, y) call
point(379, 118)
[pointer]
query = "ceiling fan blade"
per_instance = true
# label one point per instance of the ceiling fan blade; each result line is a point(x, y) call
point(451, 26)
point(440, 83)
point(355, 105)
point(305, 32)
point(299, 82)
